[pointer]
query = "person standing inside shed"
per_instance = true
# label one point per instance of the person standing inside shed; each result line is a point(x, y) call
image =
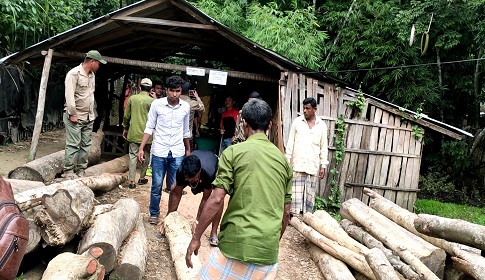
point(79, 113)
point(134, 122)
point(307, 151)
point(168, 121)
point(239, 134)
point(228, 123)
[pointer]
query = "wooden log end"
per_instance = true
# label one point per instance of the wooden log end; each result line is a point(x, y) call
point(25, 173)
point(96, 252)
point(370, 193)
point(108, 257)
point(126, 271)
point(92, 267)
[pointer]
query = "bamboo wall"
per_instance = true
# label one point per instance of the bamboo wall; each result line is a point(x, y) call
point(381, 151)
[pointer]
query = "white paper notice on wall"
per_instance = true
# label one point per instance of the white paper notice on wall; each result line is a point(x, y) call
point(217, 77)
point(192, 71)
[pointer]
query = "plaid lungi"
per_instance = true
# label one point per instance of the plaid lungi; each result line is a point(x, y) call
point(221, 267)
point(303, 197)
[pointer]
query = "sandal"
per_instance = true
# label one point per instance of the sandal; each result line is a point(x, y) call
point(214, 241)
point(167, 190)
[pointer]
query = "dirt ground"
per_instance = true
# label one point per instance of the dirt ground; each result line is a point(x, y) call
point(294, 260)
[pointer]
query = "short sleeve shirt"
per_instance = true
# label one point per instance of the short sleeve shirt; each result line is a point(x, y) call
point(209, 162)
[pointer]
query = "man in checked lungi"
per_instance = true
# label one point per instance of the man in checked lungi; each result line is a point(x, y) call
point(307, 151)
point(257, 176)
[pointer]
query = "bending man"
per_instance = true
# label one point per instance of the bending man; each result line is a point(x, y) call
point(198, 170)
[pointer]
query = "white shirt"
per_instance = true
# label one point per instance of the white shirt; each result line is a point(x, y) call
point(169, 126)
point(307, 148)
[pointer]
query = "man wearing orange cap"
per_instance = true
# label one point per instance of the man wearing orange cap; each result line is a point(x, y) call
point(79, 113)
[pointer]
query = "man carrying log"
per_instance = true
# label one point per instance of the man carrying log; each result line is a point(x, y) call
point(168, 121)
point(198, 171)
point(307, 151)
point(134, 122)
point(258, 178)
point(79, 113)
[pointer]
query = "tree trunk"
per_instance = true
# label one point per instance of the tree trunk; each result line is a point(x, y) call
point(117, 165)
point(469, 263)
point(368, 240)
point(110, 229)
point(322, 222)
point(39, 116)
point(133, 255)
point(380, 265)
point(331, 268)
point(34, 236)
point(451, 229)
point(69, 266)
point(46, 168)
point(424, 257)
point(95, 183)
point(65, 214)
point(179, 233)
point(348, 256)
point(19, 186)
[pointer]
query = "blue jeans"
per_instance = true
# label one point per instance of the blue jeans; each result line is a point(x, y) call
point(160, 166)
point(225, 144)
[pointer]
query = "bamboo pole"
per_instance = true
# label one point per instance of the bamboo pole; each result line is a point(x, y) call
point(40, 105)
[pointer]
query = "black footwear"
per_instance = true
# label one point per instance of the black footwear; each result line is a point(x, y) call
point(167, 190)
point(142, 181)
point(153, 220)
point(132, 186)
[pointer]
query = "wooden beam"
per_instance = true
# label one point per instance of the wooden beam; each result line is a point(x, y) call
point(164, 22)
point(39, 116)
point(167, 66)
point(380, 187)
point(360, 151)
point(413, 119)
point(82, 29)
point(166, 32)
point(230, 37)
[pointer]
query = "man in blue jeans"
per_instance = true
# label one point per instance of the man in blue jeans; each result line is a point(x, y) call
point(168, 121)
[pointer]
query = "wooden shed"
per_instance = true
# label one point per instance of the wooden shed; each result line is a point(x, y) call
point(381, 150)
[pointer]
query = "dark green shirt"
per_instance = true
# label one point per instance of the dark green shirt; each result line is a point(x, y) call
point(258, 177)
point(136, 115)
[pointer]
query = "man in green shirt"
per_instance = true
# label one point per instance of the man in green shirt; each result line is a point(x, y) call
point(258, 178)
point(134, 121)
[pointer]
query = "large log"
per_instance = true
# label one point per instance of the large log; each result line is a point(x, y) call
point(64, 214)
point(69, 266)
point(357, 261)
point(425, 258)
point(454, 230)
point(408, 221)
point(178, 232)
point(46, 168)
point(322, 222)
point(133, 255)
point(469, 263)
point(380, 265)
point(19, 186)
point(117, 165)
point(368, 240)
point(96, 183)
point(331, 268)
point(110, 230)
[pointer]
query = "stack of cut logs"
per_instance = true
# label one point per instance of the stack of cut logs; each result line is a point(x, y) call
point(385, 241)
point(113, 235)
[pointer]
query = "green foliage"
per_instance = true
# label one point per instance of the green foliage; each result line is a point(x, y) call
point(418, 132)
point(358, 103)
point(434, 184)
point(324, 204)
point(450, 210)
point(294, 33)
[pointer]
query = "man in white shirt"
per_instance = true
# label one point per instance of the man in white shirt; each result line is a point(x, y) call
point(307, 151)
point(168, 121)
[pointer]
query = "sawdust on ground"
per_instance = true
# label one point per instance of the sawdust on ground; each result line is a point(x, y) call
point(294, 259)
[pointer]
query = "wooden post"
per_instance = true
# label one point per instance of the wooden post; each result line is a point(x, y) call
point(40, 105)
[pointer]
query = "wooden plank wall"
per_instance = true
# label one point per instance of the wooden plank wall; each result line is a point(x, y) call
point(381, 151)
